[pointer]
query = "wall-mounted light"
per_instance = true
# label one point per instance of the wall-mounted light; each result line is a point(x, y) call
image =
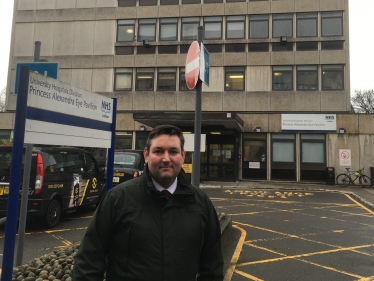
point(283, 40)
point(342, 130)
point(258, 129)
point(142, 128)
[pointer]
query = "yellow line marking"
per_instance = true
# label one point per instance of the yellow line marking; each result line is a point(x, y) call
point(235, 256)
point(247, 275)
point(84, 193)
point(362, 206)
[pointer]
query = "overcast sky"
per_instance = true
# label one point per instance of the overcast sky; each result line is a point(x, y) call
point(361, 42)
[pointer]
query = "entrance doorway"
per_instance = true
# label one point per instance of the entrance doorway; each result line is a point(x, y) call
point(218, 162)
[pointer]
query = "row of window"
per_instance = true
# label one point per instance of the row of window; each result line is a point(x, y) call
point(332, 78)
point(133, 3)
point(229, 48)
point(259, 26)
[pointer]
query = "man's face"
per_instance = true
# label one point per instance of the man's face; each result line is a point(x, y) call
point(165, 158)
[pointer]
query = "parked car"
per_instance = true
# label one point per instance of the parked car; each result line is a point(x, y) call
point(128, 164)
point(61, 179)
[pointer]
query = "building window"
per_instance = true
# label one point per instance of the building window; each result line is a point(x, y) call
point(141, 140)
point(282, 78)
point(125, 30)
point(259, 26)
point(214, 48)
point(332, 77)
point(126, 3)
point(282, 25)
point(123, 79)
point(307, 78)
point(307, 25)
point(213, 1)
point(282, 47)
point(227, 1)
point(283, 156)
point(332, 45)
point(169, 29)
point(184, 49)
point(213, 27)
point(148, 2)
point(258, 47)
point(332, 23)
point(123, 140)
point(167, 49)
point(142, 50)
point(5, 134)
point(189, 28)
point(234, 78)
point(147, 30)
point(235, 27)
point(306, 46)
point(125, 50)
point(233, 48)
point(191, 1)
point(144, 79)
point(182, 80)
point(169, 2)
point(166, 79)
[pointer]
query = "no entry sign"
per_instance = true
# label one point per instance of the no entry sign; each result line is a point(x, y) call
point(192, 65)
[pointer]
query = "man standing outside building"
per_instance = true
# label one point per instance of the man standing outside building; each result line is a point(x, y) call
point(157, 227)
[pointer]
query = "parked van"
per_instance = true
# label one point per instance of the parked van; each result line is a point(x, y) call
point(61, 179)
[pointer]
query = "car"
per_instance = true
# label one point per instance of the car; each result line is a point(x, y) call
point(61, 179)
point(128, 164)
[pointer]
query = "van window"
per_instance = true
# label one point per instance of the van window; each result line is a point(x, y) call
point(55, 163)
point(124, 159)
point(5, 159)
point(90, 163)
point(74, 163)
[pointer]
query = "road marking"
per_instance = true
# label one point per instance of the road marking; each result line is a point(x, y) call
point(247, 275)
point(362, 206)
point(235, 256)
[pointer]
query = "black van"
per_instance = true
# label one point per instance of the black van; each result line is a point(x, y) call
point(61, 179)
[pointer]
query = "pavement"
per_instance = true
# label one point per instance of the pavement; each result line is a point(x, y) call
point(364, 195)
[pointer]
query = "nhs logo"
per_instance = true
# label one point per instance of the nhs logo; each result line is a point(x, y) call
point(106, 108)
point(329, 118)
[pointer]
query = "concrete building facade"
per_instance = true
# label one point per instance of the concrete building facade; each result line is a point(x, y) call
point(269, 60)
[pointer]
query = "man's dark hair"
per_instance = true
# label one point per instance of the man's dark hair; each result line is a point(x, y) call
point(170, 130)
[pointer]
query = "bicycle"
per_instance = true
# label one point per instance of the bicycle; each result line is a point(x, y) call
point(346, 179)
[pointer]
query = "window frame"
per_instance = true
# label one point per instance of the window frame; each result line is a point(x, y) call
point(273, 71)
point(232, 69)
point(116, 73)
point(195, 21)
point(304, 16)
point(161, 24)
point(282, 17)
point(315, 71)
point(123, 25)
point(149, 72)
point(232, 20)
point(341, 71)
point(160, 72)
point(259, 18)
point(213, 21)
point(332, 17)
point(140, 24)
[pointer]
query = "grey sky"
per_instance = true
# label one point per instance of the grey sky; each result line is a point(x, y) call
point(361, 42)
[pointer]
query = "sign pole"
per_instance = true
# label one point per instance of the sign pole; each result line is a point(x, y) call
point(195, 177)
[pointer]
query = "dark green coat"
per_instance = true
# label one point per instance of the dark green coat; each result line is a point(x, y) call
point(137, 234)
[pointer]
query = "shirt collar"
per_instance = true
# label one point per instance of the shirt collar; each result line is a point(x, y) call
point(171, 188)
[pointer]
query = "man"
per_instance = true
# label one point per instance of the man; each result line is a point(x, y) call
point(139, 232)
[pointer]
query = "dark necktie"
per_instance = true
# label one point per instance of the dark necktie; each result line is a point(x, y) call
point(166, 193)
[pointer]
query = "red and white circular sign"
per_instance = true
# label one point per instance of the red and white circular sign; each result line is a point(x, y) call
point(192, 65)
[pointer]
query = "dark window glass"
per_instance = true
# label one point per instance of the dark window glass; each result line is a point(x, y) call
point(235, 27)
point(213, 1)
point(258, 47)
point(332, 45)
point(282, 78)
point(182, 80)
point(234, 78)
point(214, 48)
point(125, 50)
point(259, 26)
point(189, 28)
point(123, 140)
point(147, 30)
point(166, 79)
point(123, 79)
point(306, 46)
point(184, 49)
point(144, 79)
point(125, 30)
point(282, 47)
point(169, 2)
point(307, 25)
point(332, 77)
point(126, 3)
point(148, 2)
point(332, 23)
point(307, 78)
point(141, 140)
point(282, 25)
point(141, 50)
point(234, 48)
point(227, 1)
point(167, 49)
point(168, 29)
point(191, 1)
point(212, 27)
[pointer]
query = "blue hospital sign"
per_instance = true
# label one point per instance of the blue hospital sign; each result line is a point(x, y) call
point(204, 65)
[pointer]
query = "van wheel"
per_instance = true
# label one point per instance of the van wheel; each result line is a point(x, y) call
point(53, 214)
